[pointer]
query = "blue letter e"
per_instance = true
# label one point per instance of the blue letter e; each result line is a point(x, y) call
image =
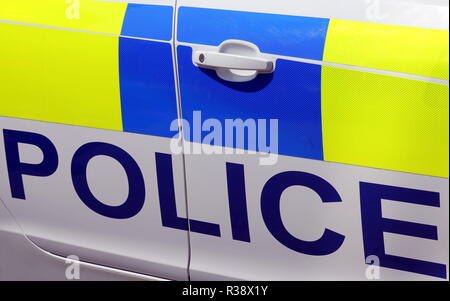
point(374, 225)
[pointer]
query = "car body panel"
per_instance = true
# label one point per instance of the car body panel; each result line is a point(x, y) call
point(368, 93)
point(99, 74)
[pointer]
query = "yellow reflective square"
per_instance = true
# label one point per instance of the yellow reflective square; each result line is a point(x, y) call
point(411, 50)
point(385, 122)
point(60, 76)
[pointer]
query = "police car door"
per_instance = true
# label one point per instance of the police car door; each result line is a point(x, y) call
point(87, 98)
point(316, 138)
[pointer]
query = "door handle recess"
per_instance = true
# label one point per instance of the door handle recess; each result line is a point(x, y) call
point(234, 61)
point(215, 60)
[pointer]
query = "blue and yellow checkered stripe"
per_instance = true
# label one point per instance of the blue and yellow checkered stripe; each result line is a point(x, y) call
point(114, 81)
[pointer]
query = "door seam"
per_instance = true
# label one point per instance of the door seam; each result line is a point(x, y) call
point(181, 130)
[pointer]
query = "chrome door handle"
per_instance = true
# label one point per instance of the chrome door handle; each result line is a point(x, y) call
point(215, 60)
point(234, 60)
